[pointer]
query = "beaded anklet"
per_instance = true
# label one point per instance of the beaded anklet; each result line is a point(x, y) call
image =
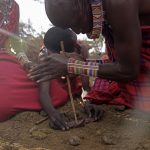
point(82, 68)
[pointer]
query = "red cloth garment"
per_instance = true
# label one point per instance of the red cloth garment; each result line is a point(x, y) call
point(135, 94)
point(106, 92)
point(18, 93)
point(9, 19)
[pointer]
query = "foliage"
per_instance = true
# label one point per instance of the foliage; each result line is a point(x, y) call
point(28, 41)
point(40, 1)
point(96, 46)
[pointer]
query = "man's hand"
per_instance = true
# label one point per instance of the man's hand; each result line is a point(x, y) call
point(52, 66)
point(27, 66)
point(93, 111)
point(58, 121)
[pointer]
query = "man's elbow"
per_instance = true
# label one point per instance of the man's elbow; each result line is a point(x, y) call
point(131, 74)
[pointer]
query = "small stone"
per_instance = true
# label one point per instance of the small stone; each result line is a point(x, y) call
point(38, 135)
point(74, 141)
point(99, 132)
point(82, 137)
point(46, 131)
point(108, 140)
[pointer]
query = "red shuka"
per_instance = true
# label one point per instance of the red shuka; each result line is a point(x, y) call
point(18, 93)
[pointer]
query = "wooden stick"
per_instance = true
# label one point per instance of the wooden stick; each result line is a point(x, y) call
point(41, 120)
point(69, 87)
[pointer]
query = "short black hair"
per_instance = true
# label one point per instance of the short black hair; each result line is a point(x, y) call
point(55, 35)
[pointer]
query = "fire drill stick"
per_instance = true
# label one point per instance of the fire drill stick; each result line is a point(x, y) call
point(69, 86)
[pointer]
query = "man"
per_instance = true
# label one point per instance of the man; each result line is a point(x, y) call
point(18, 93)
point(126, 27)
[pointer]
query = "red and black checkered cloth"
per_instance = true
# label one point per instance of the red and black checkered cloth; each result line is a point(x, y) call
point(135, 94)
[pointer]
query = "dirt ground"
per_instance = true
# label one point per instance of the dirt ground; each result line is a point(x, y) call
point(128, 130)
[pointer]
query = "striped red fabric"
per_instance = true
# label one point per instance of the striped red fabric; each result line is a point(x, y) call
point(138, 91)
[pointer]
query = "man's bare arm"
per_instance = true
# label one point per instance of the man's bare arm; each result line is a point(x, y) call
point(123, 18)
point(54, 115)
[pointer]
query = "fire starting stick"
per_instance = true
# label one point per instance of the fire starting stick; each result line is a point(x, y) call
point(69, 86)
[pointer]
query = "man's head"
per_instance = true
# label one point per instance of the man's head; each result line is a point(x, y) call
point(9, 19)
point(74, 14)
point(55, 35)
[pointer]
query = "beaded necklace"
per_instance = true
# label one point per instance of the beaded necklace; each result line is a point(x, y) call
point(98, 18)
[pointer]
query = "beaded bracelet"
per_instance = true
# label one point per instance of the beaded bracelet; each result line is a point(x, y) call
point(82, 68)
point(22, 58)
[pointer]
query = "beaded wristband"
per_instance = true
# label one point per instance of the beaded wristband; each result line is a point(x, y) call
point(82, 68)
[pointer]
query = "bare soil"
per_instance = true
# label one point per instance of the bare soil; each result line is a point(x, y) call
point(128, 130)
